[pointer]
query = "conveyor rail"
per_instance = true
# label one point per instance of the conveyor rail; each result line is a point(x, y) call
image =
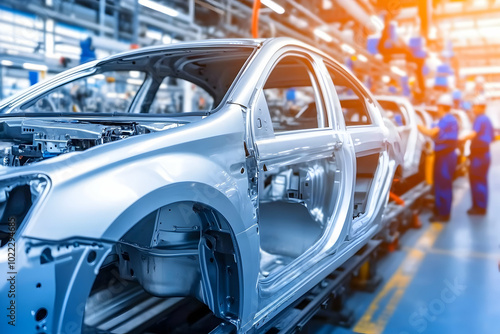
point(295, 317)
point(394, 210)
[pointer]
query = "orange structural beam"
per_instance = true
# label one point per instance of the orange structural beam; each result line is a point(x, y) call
point(255, 19)
point(396, 198)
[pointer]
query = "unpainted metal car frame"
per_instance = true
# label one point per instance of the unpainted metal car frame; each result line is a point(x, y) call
point(215, 205)
point(406, 122)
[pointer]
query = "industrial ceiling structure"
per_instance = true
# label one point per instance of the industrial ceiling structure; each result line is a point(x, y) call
point(462, 34)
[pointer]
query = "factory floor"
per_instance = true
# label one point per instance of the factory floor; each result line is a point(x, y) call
point(445, 277)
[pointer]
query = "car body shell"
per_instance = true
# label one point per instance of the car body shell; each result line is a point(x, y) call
point(413, 140)
point(93, 198)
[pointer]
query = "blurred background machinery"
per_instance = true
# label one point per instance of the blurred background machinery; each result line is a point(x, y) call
point(405, 47)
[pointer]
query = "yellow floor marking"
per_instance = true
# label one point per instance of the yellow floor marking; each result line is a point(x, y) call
point(462, 253)
point(397, 284)
point(401, 279)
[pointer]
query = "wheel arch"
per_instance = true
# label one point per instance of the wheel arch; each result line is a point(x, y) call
point(230, 299)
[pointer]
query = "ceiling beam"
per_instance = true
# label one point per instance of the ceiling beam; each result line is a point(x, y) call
point(469, 14)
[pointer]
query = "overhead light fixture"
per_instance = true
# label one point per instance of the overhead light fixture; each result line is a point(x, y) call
point(377, 22)
point(386, 79)
point(433, 32)
point(136, 82)
point(398, 71)
point(6, 62)
point(273, 6)
point(479, 70)
point(49, 38)
point(323, 35)
point(7, 38)
point(347, 48)
point(153, 34)
point(15, 47)
point(35, 67)
point(166, 39)
point(298, 22)
point(114, 95)
point(480, 3)
point(65, 48)
point(134, 74)
point(362, 58)
point(159, 8)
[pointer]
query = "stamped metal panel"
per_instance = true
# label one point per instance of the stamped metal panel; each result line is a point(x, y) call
point(329, 146)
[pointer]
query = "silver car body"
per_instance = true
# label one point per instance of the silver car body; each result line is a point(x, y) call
point(413, 140)
point(215, 206)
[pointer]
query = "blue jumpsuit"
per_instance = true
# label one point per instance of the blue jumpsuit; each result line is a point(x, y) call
point(480, 161)
point(445, 163)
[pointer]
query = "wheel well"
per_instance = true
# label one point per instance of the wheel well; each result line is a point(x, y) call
point(197, 246)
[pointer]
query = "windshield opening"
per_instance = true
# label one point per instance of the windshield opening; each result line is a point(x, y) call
point(182, 81)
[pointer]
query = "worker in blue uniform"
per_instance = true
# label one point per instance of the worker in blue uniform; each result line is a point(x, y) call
point(445, 136)
point(480, 158)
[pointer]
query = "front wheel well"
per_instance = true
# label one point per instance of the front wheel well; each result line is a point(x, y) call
point(196, 245)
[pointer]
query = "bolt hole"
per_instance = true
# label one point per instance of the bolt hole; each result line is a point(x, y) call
point(41, 314)
point(242, 170)
point(38, 285)
point(91, 257)
point(211, 260)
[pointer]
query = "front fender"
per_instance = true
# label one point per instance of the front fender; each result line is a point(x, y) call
point(243, 229)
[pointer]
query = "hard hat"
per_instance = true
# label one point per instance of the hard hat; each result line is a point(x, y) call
point(445, 100)
point(480, 101)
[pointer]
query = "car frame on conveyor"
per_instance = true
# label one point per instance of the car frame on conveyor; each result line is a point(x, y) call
point(242, 186)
